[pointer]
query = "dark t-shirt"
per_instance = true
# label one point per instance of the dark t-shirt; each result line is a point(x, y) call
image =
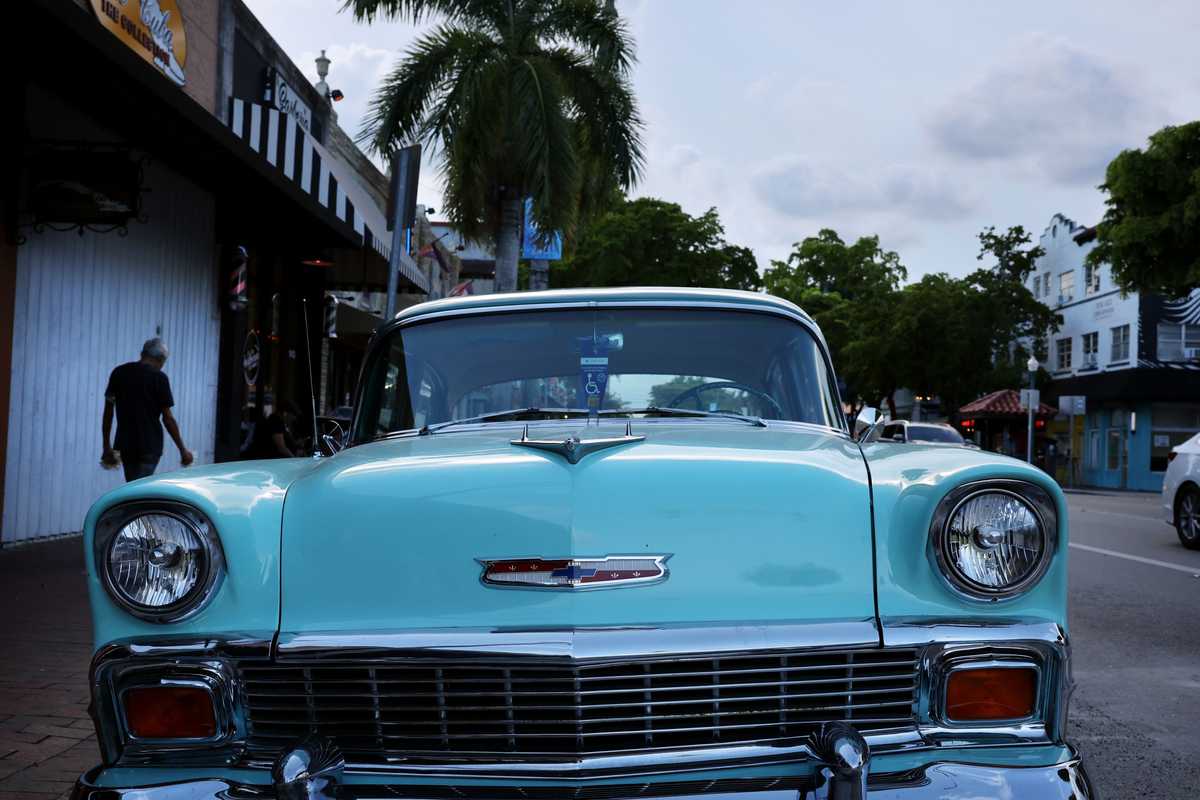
point(140, 393)
point(264, 432)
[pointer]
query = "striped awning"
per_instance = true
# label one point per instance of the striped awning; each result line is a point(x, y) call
point(302, 160)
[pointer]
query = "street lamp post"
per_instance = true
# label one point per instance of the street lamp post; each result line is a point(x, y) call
point(1032, 364)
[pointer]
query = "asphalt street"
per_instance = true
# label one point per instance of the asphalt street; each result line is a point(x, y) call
point(1135, 634)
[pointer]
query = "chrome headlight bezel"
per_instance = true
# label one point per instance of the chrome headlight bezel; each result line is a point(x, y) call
point(1039, 503)
point(208, 581)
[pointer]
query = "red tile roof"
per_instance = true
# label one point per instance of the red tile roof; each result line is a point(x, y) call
point(1001, 403)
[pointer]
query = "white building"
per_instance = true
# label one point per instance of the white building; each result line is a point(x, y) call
point(1135, 357)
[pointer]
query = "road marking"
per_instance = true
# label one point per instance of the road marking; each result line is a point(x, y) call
point(1139, 559)
point(1138, 517)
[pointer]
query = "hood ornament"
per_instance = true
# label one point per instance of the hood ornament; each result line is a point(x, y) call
point(573, 448)
point(573, 573)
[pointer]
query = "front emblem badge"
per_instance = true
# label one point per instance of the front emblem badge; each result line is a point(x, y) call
point(573, 573)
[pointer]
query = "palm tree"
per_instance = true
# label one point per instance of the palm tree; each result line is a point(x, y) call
point(517, 98)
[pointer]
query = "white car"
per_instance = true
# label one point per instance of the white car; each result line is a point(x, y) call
point(1181, 492)
point(902, 430)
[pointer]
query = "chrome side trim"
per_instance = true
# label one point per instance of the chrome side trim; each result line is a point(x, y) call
point(581, 643)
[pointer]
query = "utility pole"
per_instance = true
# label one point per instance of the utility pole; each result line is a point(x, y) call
point(1033, 366)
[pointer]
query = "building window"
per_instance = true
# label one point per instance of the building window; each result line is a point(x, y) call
point(1091, 279)
point(1037, 285)
point(1046, 284)
point(1120, 343)
point(1178, 341)
point(1062, 348)
point(1091, 346)
point(1066, 287)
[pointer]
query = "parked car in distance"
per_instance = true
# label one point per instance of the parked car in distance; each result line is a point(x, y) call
point(1181, 492)
point(907, 432)
point(587, 544)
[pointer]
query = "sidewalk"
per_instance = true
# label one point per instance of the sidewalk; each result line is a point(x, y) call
point(46, 737)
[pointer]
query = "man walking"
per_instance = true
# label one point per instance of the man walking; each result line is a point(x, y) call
point(141, 395)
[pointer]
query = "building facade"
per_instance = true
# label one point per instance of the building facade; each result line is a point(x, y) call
point(168, 172)
point(1135, 357)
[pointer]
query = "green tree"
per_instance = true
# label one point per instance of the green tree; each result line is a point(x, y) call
point(1150, 234)
point(651, 242)
point(518, 98)
point(850, 290)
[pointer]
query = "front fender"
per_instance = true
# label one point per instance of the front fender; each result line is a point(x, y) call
point(907, 483)
point(245, 503)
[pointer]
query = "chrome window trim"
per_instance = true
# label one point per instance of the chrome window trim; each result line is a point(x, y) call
point(1039, 502)
point(796, 315)
point(114, 519)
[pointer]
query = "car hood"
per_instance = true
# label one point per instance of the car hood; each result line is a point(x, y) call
point(758, 524)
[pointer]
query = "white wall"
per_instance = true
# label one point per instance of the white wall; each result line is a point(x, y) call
point(84, 305)
point(1098, 312)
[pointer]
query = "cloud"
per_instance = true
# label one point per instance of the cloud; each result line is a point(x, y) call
point(799, 187)
point(1050, 106)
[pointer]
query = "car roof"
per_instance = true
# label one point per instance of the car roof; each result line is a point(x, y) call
point(641, 294)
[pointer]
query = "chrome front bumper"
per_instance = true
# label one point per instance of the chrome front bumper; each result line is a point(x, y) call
point(306, 776)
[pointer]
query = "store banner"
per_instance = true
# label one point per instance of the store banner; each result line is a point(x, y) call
point(151, 28)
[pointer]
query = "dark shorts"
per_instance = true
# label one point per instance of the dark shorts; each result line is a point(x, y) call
point(138, 466)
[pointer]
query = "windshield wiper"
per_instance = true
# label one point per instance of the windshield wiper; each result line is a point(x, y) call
point(502, 416)
point(657, 411)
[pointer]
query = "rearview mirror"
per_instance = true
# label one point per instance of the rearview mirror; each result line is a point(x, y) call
point(865, 422)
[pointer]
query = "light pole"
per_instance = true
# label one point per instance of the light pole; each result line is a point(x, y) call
point(1032, 364)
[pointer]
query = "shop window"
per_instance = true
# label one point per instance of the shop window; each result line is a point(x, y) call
point(1171, 424)
point(1114, 448)
point(1066, 287)
point(1120, 343)
point(1091, 279)
point(1091, 345)
point(1093, 458)
point(1062, 349)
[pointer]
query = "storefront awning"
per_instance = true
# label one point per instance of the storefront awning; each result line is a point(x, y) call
point(257, 183)
point(301, 160)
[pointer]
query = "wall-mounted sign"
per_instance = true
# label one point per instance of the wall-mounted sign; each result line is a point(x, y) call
point(95, 189)
point(289, 102)
point(535, 246)
point(250, 358)
point(151, 28)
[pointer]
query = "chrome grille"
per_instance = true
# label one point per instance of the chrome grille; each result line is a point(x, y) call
point(537, 707)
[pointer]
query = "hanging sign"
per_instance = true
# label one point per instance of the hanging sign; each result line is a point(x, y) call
point(250, 358)
point(151, 28)
point(593, 372)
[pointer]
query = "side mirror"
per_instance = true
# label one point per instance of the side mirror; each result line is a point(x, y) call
point(865, 423)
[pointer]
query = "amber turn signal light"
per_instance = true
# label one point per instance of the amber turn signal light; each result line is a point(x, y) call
point(170, 712)
point(991, 693)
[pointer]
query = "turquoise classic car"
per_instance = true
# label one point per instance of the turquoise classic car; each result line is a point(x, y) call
point(588, 544)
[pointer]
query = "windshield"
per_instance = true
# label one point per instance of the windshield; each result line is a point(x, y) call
point(933, 433)
point(595, 359)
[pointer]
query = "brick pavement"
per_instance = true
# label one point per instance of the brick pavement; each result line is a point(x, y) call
point(46, 737)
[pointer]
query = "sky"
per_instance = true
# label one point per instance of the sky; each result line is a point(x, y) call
point(920, 122)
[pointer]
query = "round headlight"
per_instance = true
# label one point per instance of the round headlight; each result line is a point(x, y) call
point(993, 543)
point(159, 564)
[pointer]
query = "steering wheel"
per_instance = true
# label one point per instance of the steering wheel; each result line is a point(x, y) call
point(704, 387)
